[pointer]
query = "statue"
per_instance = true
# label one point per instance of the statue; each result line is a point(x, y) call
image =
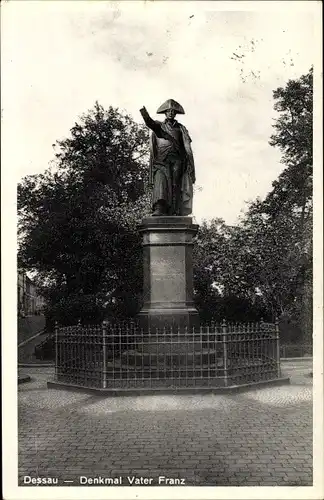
point(172, 168)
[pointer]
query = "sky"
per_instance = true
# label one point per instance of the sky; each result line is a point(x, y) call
point(222, 64)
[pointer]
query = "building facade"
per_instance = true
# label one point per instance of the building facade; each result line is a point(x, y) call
point(29, 301)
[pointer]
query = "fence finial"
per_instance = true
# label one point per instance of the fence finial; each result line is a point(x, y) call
point(277, 324)
point(224, 325)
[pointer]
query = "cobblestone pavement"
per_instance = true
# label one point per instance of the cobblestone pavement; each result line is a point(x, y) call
point(262, 437)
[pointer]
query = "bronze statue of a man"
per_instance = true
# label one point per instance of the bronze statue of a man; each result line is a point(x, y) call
point(172, 168)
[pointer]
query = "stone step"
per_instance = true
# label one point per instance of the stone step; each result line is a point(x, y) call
point(177, 345)
point(233, 368)
point(164, 374)
point(188, 358)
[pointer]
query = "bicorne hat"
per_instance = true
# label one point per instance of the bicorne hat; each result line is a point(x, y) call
point(171, 104)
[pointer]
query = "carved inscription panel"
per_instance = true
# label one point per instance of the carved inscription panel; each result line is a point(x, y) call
point(168, 274)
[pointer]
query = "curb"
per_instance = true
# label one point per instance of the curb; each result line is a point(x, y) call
point(168, 390)
point(36, 365)
point(306, 358)
point(23, 378)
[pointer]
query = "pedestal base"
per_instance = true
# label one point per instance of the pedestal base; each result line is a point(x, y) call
point(212, 387)
point(158, 318)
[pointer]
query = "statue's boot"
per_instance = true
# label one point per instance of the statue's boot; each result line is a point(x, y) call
point(160, 208)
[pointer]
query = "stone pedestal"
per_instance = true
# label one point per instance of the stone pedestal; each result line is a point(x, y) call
point(168, 273)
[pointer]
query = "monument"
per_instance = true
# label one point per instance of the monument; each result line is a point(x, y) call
point(168, 233)
point(167, 351)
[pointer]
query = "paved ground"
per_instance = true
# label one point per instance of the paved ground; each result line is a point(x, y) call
point(261, 437)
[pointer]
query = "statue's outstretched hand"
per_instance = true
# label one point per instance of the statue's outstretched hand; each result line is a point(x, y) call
point(149, 122)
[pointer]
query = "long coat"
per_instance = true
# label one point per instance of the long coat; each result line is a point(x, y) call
point(161, 177)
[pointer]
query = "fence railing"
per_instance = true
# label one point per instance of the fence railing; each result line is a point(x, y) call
point(125, 356)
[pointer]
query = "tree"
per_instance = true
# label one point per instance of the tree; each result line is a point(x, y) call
point(223, 274)
point(207, 253)
point(264, 264)
point(78, 220)
point(294, 137)
point(294, 127)
point(279, 228)
point(291, 196)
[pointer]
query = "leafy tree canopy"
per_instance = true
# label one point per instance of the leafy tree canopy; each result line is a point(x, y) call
point(77, 221)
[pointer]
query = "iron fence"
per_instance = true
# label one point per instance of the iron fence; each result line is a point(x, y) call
point(126, 356)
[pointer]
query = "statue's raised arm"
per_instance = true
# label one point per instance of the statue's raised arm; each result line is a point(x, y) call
point(150, 123)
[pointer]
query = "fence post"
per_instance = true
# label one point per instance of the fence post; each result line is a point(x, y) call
point(225, 354)
point(104, 353)
point(278, 347)
point(56, 331)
